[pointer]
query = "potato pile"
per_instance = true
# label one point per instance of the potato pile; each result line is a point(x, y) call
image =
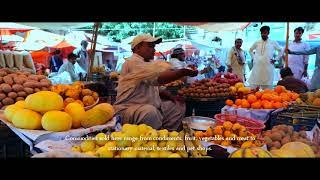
point(174, 83)
point(310, 98)
point(281, 134)
point(16, 85)
point(76, 93)
point(206, 88)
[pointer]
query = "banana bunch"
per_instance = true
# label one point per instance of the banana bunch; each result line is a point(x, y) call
point(193, 144)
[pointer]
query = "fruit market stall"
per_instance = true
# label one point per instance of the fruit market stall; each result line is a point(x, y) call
point(65, 110)
point(207, 96)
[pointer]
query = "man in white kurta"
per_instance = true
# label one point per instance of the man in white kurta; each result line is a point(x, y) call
point(236, 60)
point(298, 63)
point(69, 67)
point(262, 73)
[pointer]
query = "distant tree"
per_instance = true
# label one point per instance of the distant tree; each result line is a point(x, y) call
point(117, 31)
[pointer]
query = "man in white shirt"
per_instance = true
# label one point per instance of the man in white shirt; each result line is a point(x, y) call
point(236, 60)
point(178, 59)
point(298, 63)
point(262, 72)
point(69, 67)
point(83, 55)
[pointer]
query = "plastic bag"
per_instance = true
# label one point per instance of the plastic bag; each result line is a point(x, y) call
point(63, 78)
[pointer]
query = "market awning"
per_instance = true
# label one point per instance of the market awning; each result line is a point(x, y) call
point(11, 28)
point(217, 27)
point(59, 26)
point(314, 36)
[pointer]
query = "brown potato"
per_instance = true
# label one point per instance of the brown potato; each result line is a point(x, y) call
point(17, 87)
point(44, 84)
point(46, 80)
point(1, 80)
point(36, 90)
point(19, 99)
point(22, 94)
point(28, 90)
point(6, 88)
point(18, 80)
point(40, 77)
point(44, 89)
point(28, 84)
point(2, 96)
point(7, 101)
point(8, 79)
point(3, 73)
point(22, 76)
point(33, 77)
point(12, 95)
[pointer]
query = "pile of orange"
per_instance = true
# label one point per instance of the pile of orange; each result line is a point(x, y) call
point(266, 99)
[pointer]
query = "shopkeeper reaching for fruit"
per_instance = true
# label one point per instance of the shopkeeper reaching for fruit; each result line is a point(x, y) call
point(144, 103)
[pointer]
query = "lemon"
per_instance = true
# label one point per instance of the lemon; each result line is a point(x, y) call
point(87, 146)
point(104, 152)
point(76, 149)
point(172, 144)
point(142, 129)
point(122, 142)
point(154, 154)
point(163, 133)
point(138, 143)
point(174, 155)
point(174, 134)
point(152, 144)
point(129, 154)
point(164, 154)
point(90, 153)
point(162, 143)
point(131, 130)
point(111, 145)
point(152, 134)
point(101, 139)
point(143, 154)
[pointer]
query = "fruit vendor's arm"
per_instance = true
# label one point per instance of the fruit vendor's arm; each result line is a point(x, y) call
point(229, 59)
point(172, 75)
point(279, 49)
point(253, 47)
point(307, 52)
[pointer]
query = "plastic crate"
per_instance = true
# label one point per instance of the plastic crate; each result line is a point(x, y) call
point(298, 123)
point(254, 126)
point(204, 108)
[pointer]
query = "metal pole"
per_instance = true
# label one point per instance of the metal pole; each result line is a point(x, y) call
point(154, 29)
point(287, 44)
point(93, 46)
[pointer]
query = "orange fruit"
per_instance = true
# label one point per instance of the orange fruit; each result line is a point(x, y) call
point(258, 94)
point(267, 105)
point(266, 91)
point(277, 105)
point(266, 96)
point(285, 97)
point(238, 102)
point(218, 130)
point(256, 105)
point(227, 133)
point(245, 104)
point(252, 98)
point(295, 96)
point(229, 102)
point(276, 98)
point(235, 106)
point(279, 89)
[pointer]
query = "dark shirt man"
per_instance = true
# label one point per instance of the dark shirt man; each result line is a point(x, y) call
point(55, 61)
point(291, 83)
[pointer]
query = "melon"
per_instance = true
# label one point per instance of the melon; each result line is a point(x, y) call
point(26, 119)
point(252, 152)
point(44, 101)
point(56, 121)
